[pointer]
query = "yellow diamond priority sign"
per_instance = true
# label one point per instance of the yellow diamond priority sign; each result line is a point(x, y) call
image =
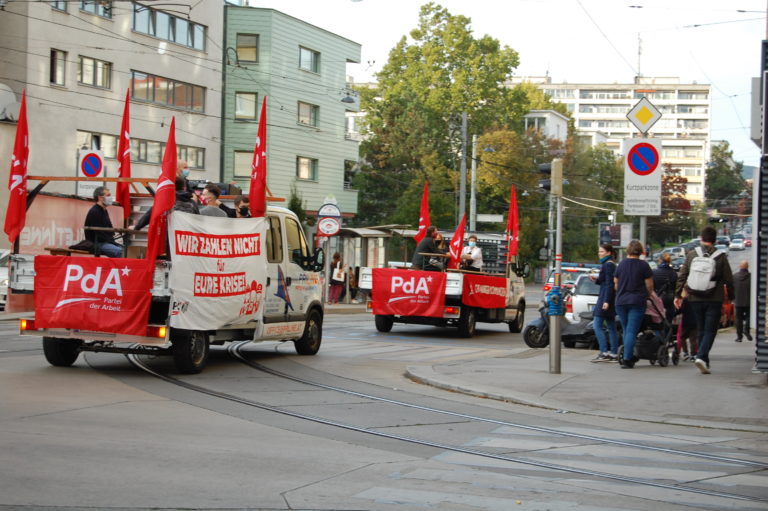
point(644, 115)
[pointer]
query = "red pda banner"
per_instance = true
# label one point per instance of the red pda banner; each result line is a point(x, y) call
point(484, 291)
point(408, 292)
point(92, 293)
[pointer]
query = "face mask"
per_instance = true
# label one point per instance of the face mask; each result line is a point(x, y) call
point(471, 243)
point(185, 172)
point(245, 211)
point(108, 200)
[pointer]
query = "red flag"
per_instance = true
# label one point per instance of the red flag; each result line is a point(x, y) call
point(513, 229)
point(258, 192)
point(124, 160)
point(165, 198)
point(423, 215)
point(457, 243)
point(16, 213)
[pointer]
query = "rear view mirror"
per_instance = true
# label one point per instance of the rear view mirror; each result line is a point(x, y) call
point(523, 271)
point(318, 260)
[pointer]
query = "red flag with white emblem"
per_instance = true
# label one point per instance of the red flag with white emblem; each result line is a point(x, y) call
point(258, 192)
point(165, 198)
point(457, 243)
point(124, 160)
point(423, 215)
point(513, 229)
point(16, 212)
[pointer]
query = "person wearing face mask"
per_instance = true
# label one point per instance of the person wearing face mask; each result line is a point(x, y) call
point(104, 242)
point(242, 206)
point(472, 255)
point(182, 169)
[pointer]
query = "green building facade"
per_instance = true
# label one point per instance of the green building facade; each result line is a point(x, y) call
point(301, 69)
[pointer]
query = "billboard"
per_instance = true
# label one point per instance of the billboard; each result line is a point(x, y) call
point(618, 235)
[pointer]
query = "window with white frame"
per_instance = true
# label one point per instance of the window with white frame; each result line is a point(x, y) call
point(58, 66)
point(101, 8)
point(306, 168)
point(309, 60)
point(245, 106)
point(308, 114)
point(162, 25)
point(94, 72)
point(248, 47)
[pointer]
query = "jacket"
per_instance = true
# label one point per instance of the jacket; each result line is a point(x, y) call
point(664, 282)
point(607, 292)
point(723, 277)
point(741, 288)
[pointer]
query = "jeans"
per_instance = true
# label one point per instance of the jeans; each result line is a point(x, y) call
point(742, 321)
point(109, 250)
point(600, 323)
point(631, 317)
point(707, 316)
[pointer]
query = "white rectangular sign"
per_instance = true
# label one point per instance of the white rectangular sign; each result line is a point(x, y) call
point(642, 176)
point(218, 272)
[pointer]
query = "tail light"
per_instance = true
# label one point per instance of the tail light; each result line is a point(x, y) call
point(451, 311)
point(157, 331)
point(369, 305)
point(547, 287)
point(569, 304)
point(27, 325)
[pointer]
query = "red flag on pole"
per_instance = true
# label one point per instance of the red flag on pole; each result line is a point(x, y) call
point(457, 243)
point(258, 192)
point(124, 160)
point(513, 229)
point(165, 198)
point(423, 215)
point(16, 213)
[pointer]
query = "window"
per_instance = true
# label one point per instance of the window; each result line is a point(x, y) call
point(164, 91)
point(162, 25)
point(306, 168)
point(274, 241)
point(107, 144)
point(309, 60)
point(308, 114)
point(94, 72)
point(247, 48)
point(194, 156)
point(245, 106)
point(58, 67)
point(243, 160)
point(350, 169)
point(101, 8)
point(692, 95)
point(59, 5)
point(297, 245)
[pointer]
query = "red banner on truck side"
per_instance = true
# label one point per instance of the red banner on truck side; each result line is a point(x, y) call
point(408, 292)
point(484, 291)
point(92, 293)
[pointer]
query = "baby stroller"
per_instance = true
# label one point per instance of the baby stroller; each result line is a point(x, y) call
point(657, 336)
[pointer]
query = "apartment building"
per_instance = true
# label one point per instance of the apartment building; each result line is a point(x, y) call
point(599, 112)
point(301, 69)
point(77, 59)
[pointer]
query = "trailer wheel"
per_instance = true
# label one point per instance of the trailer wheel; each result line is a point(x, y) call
point(61, 352)
point(309, 344)
point(467, 322)
point(384, 323)
point(516, 326)
point(190, 351)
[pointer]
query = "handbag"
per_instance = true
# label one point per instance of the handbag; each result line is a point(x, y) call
point(338, 275)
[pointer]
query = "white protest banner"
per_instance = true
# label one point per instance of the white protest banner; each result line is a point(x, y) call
point(218, 272)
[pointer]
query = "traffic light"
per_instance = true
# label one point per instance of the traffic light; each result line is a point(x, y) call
point(554, 184)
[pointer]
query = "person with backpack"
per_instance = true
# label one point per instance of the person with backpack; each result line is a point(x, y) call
point(705, 276)
point(604, 313)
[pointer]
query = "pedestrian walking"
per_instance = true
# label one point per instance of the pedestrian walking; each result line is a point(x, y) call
point(338, 274)
point(741, 284)
point(634, 284)
point(664, 281)
point(705, 277)
point(604, 312)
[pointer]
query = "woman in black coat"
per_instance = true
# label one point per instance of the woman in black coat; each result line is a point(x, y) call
point(604, 313)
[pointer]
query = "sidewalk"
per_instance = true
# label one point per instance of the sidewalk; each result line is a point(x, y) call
point(732, 397)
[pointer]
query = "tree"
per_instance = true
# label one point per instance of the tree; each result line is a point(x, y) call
point(413, 115)
point(297, 205)
point(675, 218)
point(724, 182)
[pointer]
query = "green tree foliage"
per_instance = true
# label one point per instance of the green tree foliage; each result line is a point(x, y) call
point(724, 182)
point(413, 116)
point(297, 205)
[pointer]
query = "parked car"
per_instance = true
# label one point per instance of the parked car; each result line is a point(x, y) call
point(748, 242)
point(568, 275)
point(721, 246)
point(723, 240)
point(4, 256)
point(737, 244)
point(582, 298)
point(672, 251)
point(677, 262)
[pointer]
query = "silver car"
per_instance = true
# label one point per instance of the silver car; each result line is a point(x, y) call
point(4, 257)
point(583, 297)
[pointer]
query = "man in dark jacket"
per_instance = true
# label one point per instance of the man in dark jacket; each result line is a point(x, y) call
point(426, 245)
point(741, 283)
point(706, 307)
point(104, 242)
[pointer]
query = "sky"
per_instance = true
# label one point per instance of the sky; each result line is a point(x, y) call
point(714, 42)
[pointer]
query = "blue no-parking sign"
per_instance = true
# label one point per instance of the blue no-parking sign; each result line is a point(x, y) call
point(642, 176)
point(90, 164)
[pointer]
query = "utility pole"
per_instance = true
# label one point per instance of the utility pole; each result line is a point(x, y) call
point(463, 169)
point(473, 189)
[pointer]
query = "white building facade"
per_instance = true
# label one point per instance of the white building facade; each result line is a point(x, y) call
point(600, 113)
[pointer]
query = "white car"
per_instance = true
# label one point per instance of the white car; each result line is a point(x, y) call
point(737, 244)
point(583, 298)
point(4, 256)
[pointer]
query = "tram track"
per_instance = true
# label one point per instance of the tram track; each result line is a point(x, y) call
point(234, 351)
